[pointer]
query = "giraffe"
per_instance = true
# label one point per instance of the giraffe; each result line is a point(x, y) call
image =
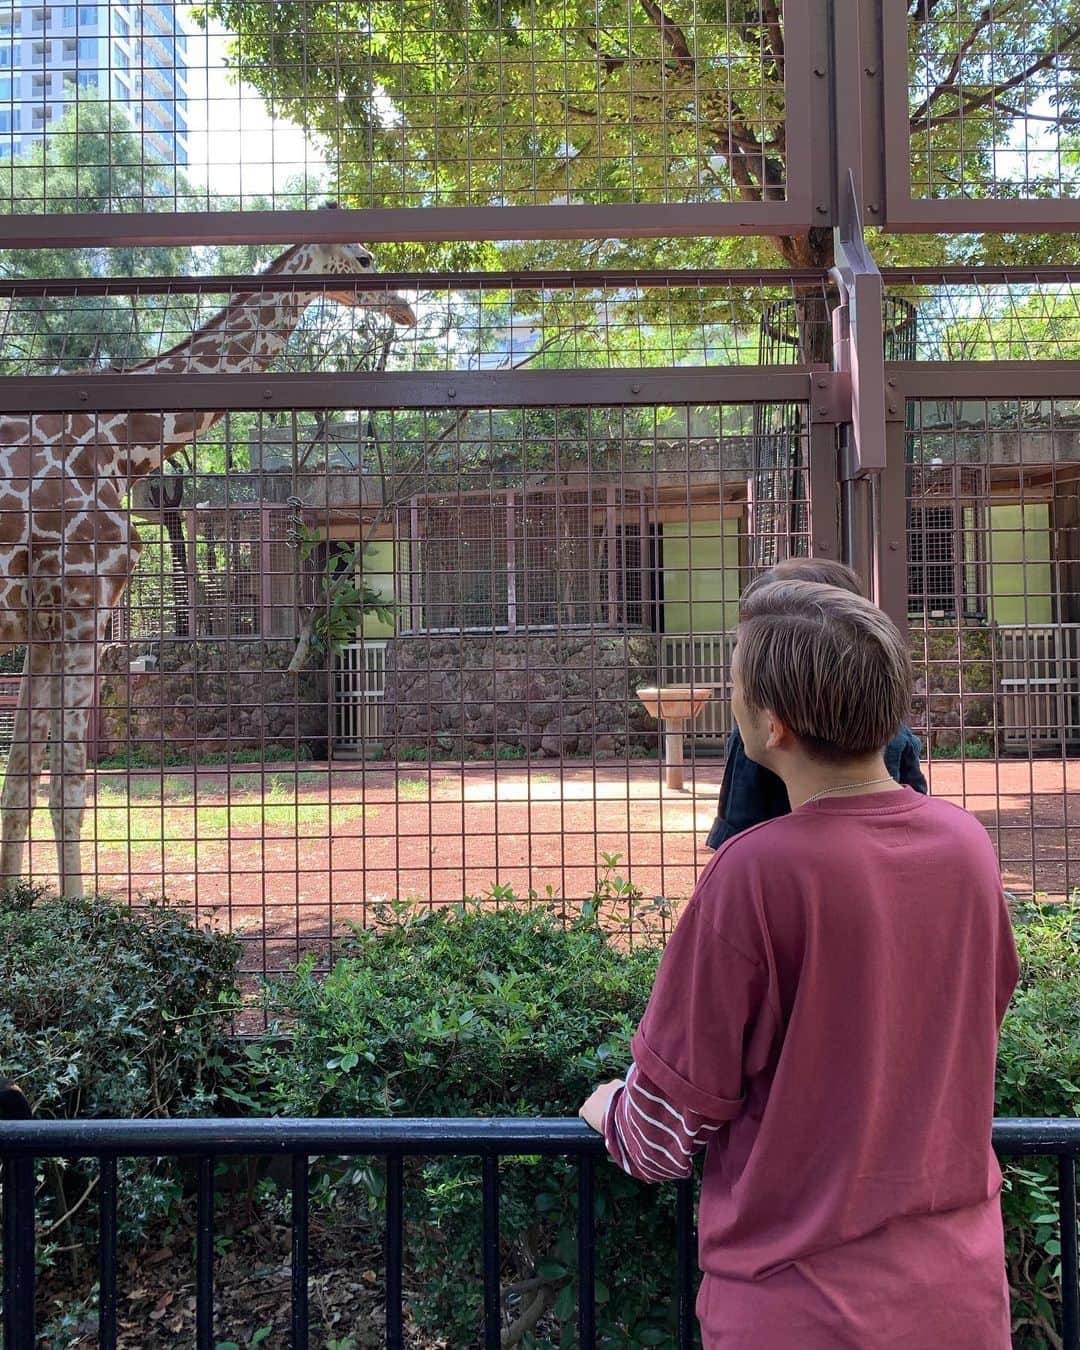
point(68, 549)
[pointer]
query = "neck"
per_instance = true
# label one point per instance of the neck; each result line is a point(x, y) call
point(805, 777)
point(245, 337)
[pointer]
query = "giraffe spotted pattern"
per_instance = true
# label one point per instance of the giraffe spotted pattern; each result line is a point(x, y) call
point(68, 548)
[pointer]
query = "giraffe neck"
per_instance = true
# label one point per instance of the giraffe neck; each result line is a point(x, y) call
point(243, 338)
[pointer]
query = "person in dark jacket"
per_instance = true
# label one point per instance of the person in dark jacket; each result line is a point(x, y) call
point(750, 793)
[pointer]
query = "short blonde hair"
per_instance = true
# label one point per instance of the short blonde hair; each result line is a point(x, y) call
point(829, 664)
point(823, 570)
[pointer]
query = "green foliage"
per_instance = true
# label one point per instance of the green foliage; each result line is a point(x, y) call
point(90, 160)
point(680, 102)
point(469, 1011)
point(982, 748)
point(169, 755)
point(1039, 1075)
point(111, 1013)
point(344, 599)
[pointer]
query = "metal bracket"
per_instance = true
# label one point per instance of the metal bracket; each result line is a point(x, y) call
point(859, 335)
point(830, 396)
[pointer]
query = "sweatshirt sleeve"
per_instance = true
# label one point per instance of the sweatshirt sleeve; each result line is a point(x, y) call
point(649, 1137)
point(710, 1023)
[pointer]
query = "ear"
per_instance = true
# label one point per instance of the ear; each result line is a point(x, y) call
point(778, 734)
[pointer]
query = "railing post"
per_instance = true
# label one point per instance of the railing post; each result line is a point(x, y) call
point(395, 1249)
point(204, 1256)
point(299, 1217)
point(19, 1240)
point(107, 1254)
point(1070, 1288)
point(684, 1263)
point(492, 1292)
point(586, 1255)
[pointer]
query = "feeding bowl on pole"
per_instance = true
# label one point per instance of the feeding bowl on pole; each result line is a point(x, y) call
point(674, 707)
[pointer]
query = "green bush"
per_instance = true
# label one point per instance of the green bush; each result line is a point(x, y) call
point(110, 1012)
point(473, 1011)
point(1039, 1075)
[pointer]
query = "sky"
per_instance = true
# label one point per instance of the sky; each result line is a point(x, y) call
point(235, 145)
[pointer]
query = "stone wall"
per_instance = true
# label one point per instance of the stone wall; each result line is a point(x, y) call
point(556, 694)
point(207, 698)
point(954, 686)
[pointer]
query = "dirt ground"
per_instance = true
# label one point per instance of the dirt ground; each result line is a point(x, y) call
point(436, 833)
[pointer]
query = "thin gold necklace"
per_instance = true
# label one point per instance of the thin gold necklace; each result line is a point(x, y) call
point(847, 787)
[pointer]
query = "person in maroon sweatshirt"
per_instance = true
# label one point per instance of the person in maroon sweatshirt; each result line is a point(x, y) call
point(824, 1021)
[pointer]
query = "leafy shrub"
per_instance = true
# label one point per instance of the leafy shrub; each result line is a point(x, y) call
point(471, 1011)
point(105, 1012)
point(1039, 1075)
point(168, 755)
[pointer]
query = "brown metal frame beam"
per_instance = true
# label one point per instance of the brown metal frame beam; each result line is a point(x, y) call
point(985, 379)
point(376, 225)
point(705, 277)
point(108, 392)
point(426, 281)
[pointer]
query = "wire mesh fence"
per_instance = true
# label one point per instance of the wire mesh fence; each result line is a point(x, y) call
point(240, 106)
point(345, 585)
point(418, 681)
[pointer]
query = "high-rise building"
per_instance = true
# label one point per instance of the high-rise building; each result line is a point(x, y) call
point(134, 56)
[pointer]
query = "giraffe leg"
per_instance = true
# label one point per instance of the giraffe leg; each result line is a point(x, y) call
point(67, 786)
point(25, 759)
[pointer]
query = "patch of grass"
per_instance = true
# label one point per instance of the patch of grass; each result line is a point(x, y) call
point(151, 815)
point(969, 750)
point(412, 790)
point(509, 752)
point(172, 757)
point(421, 754)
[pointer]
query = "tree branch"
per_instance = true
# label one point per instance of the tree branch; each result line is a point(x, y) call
point(949, 82)
point(919, 120)
point(775, 33)
point(670, 31)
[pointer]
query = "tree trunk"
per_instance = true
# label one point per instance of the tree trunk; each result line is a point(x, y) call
point(174, 528)
point(813, 326)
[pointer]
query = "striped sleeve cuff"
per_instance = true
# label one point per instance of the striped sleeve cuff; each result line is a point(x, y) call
point(649, 1137)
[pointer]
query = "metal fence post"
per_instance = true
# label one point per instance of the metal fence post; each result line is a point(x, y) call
point(19, 1241)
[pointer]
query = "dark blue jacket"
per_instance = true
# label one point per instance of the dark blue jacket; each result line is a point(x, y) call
point(750, 793)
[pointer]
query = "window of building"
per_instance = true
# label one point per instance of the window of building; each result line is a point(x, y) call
point(88, 50)
point(70, 49)
point(5, 54)
point(38, 53)
point(120, 59)
point(946, 550)
point(932, 555)
point(67, 16)
point(121, 25)
point(39, 19)
point(88, 79)
point(88, 16)
point(516, 561)
point(7, 120)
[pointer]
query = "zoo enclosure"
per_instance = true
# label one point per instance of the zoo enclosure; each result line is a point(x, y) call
point(675, 430)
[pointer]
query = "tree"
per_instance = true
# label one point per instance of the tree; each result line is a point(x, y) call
point(590, 100)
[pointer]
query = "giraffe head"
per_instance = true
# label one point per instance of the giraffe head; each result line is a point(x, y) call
point(351, 260)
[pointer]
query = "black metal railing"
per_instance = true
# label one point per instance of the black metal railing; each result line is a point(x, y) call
point(23, 1142)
